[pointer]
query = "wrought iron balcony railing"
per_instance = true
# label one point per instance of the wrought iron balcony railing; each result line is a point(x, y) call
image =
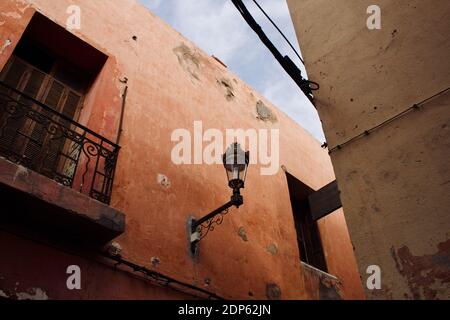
point(43, 140)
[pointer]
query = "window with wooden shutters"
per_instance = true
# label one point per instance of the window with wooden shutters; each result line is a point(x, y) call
point(28, 137)
point(42, 90)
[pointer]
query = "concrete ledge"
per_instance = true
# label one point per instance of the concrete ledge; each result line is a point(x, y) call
point(32, 198)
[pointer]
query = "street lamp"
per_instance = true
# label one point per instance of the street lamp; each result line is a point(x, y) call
point(235, 161)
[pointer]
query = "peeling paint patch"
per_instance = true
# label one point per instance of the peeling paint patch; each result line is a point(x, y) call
point(273, 249)
point(22, 10)
point(427, 276)
point(188, 59)
point(242, 234)
point(264, 113)
point(328, 290)
point(32, 294)
point(5, 45)
point(228, 87)
point(155, 261)
point(163, 181)
point(273, 291)
point(21, 172)
point(13, 15)
point(114, 249)
point(3, 294)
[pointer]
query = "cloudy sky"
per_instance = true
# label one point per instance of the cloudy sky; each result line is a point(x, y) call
point(218, 28)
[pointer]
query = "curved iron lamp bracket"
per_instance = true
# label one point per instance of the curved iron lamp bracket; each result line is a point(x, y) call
point(199, 229)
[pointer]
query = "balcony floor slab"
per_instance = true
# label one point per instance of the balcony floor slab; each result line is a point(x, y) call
point(31, 199)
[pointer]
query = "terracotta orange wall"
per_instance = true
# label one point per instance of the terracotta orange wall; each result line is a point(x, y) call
point(163, 96)
point(337, 246)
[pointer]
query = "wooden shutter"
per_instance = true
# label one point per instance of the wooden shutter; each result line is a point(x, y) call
point(13, 73)
point(71, 104)
point(325, 201)
point(29, 80)
point(12, 76)
point(31, 129)
point(67, 102)
point(54, 98)
point(54, 95)
point(33, 83)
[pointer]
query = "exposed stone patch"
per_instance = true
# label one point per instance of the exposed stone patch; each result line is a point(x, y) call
point(273, 249)
point(242, 234)
point(114, 248)
point(5, 45)
point(264, 113)
point(3, 294)
point(273, 291)
point(155, 261)
point(227, 87)
point(163, 181)
point(188, 59)
point(32, 294)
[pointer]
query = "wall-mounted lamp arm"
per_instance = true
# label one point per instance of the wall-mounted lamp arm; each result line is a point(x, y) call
point(235, 162)
point(200, 228)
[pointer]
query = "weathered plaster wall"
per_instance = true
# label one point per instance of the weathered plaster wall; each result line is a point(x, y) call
point(171, 85)
point(32, 271)
point(394, 182)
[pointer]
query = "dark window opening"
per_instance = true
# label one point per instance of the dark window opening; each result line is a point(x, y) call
point(308, 236)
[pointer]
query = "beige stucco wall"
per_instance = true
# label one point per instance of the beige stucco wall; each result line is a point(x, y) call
point(395, 182)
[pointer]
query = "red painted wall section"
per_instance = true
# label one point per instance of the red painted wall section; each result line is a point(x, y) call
point(41, 273)
point(172, 83)
point(102, 106)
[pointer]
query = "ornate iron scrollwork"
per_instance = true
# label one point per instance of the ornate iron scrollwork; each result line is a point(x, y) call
point(36, 136)
point(210, 224)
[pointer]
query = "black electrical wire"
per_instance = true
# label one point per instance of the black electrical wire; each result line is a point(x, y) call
point(281, 32)
point(161, 279)
point(382, 124)
point(288, 65)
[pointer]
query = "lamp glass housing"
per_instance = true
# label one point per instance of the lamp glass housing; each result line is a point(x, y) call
point(236, 161)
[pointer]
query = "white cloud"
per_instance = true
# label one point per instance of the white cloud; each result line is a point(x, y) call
point(218, 28)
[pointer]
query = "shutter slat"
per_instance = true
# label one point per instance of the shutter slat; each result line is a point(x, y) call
point(54, 95)
point(71, 105)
